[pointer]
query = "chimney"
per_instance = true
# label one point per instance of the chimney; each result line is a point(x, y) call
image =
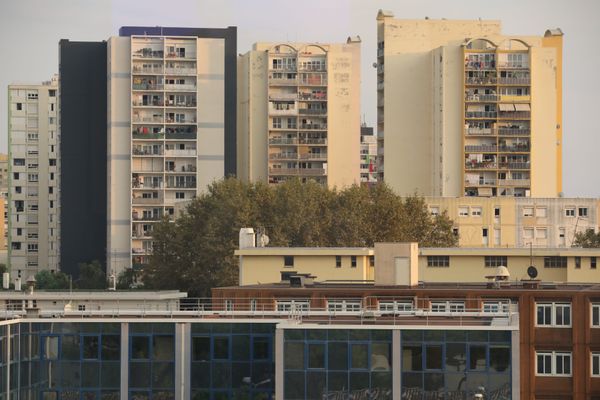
point(396, 264)
point(247, 238)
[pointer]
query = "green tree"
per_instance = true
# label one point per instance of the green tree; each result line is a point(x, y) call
point(196, 251)
point(128, 279)
point(587, 239)
point(91, 276)
point(51, 280)
point(3, 268)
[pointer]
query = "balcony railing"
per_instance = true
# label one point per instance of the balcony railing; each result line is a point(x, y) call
point(143, 152)
point(147, 86)
point(146, 185)
point(480, 182)
point(313, 156)
point(482, 97)
point(283, 156)
point(481, 148)
point(313, 96)
point(514, 165)
point(290, 111)
point(283, 141)
point(181, 168)
point(313, 82)
point(181, 185)
point(181, 136)
point(283, 96)
point(145, 200)
point(181, 153)
point(479, 131)
point(486, 80)
point(147, 119)
point(514, 131)
point(307, 111)
point(175, 87)
point(180, 104)
point(513, 149)
point(180, 71)
point(136, 135)
point(188, 120)
point(139, 103)
point(514, 182)
point(283, 82)
point(514, 114)
point(313, 141)
point(514, 81)
point(481, 165)
point(148, 53)
point(321, 127)
point(513, 65)
point(480, 65)
point(297, 171)
point(481, 114)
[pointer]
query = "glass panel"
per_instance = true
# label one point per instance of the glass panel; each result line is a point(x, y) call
point(412, 336)
point(200, 348)
point(221, 376)
point(360, 354)
point(221, 348)
point(316, 355)
point(477, 359)
point(139, 374)
point(316, 385)
point(140, 347)
point(412, 358)
point(51, 348)
point(433, 383)
point(380, 357)
point(200, 375)
point(110, 375)
point(338, 356)
point(293, 385)
point(240, 347)
point(90, 347)
point(499, 359)
point(163, 375)
point(294, 355)
point(70, 374)
point(359, 381)
point(456, 357)
point(433, 354)
point(260, 350)
point(316, 334)
point(163, 348)
point(337, 381)
point(111, 347)
point(359, 334)
point(90, 374)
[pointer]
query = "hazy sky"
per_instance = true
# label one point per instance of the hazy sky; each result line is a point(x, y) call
point(30, 31)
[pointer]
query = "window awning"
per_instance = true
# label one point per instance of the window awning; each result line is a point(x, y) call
point(472, 107)
point(522, 107)
point(506, 107)
point(484, 192)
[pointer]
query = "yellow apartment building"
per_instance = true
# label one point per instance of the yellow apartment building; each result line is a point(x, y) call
point(299, 113)
point(467, 110)
point(496, 222)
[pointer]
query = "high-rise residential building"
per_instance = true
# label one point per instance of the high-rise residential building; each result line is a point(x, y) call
point(171, 128)
point(33, 227)
point(466, 110)
point(4, 199)
point(299, 112)
point(368, 156)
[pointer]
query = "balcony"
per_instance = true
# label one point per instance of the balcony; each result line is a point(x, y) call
point(181, 121)
point(147, 86)
point(283, 82)
point(316, 127)
point(481, 114)
point(146, 200)
point(136, 184)
point(484, 80)
point(297, 171)
point(181, 185)
point(514, 98)
point(181, 135)
point(481, 149)
point(141, 103)
point(181, 153)
point(479, 131)
point(283, 96)
point(482, 97)
point(147, 136)
point(181, 168)
point(513, 65)
point(316, 96)
point(147, 70)
point(481, 165)
point(514, 165)
point(137, 151)
point(289, 111)
point(480, 65)
point(514, 81)
point(180, 71)
point(514, 114)
point(313, 141)
point(155, 119)
point(148, 53)
point(147, 217)
point(319, 81)
point(283, 141)
point(514, 182)
point(314, 156)
point(283, 156)
point(514, 131)
point(514, 149)
point(180, 88)
point(480, 182)
point(309, 111)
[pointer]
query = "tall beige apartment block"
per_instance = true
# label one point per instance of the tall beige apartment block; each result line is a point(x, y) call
point(33, 218)
point(464, 110)
point(166, 134)
point(299, 113)
point(4, 199)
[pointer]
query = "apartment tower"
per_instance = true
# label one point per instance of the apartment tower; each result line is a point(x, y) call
point(33, 198)
point(171, 113)
point(299, 113)
point(466, 111)
point(368, 156)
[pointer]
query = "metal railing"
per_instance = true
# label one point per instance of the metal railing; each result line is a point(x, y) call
point(514, 114)
point(514, 81)
point(515, 165)
point(514, 182)
point(309, 111)
point(481, 165)
point(514, 131)
point(479, 131)
point(481, 148)
point(481, 114)
point(485, 80)
point(482, 97)
point(481, 182)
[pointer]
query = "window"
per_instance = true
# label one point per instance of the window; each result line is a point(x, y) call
point(577, 262)
point(277, 123)
point(553, 314)
point(353, 261)
point(396, 306)
point(292, 305)
point(553, 363)
point(596, 364)
point(541, 233)
point(371, 261)
point(288, 261)
point(447, 306)
point(528, 211)
point(180, 195)
point(484, 232)
point(343, 305)
point(495, 306)
point(555, 262)
point(528, 233)
point(19, 106)
point(540, 212)
point(496, 261)
point(434, 211)
point(583, 212)
point(338, 261)
point(463, 211)
point(497, 212)
point(570, 211)
point(476, 211)
point(593, 262)
point(19, 162)
point(596, 315)
point(438, 261)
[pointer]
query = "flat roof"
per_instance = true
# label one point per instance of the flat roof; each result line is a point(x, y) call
point(104, 295)
point(510, 251)
point(305, 251)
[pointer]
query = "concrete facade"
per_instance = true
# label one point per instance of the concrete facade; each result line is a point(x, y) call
point(368, 156)
point(33, 227)
point(299, 113)
point(517, 222)
point(467, 110)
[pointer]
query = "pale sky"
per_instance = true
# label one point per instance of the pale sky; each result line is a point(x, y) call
point(30, 31)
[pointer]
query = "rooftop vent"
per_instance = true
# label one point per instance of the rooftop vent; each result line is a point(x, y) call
point(302, 280)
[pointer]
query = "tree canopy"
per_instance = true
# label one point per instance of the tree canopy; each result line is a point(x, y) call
point(195, 252)
point(587, 239)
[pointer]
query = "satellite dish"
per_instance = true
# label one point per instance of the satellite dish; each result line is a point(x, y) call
point(374, 65)
point(532, 272)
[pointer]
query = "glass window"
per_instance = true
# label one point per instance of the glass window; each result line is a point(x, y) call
point(353, 261)
point(111, 347)
point(553, 314)
point(596, 364)
point(456, 357)
point(90, 347)
point(163, 347)
point(360, 356)
point(70, 347)
point(596, 315)
point(221, 348)
point(337, 354)
point(380, 357)
point(496, 261)
point(51, 347)
point(570, 212)
point(553, 363)
point(477, 357)
point(499, 358)
point(260, 348)
point(438, 261)
point(463, 211)
point(338, 261)
point(544, 314)
point(140, 347)
point(528, 211)
point(433, 356)
point(555, 262)
point(412, 358)
point(544, 363)
point(593, 262)
point(562, 314)
point(563, 364)
point(316, 355)
point(288, 261)
point(294, 355)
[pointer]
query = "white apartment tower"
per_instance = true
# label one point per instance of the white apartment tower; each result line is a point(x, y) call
point(33, 198)
point(299, 113)
point(166, 134)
